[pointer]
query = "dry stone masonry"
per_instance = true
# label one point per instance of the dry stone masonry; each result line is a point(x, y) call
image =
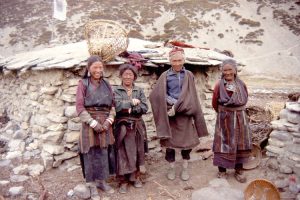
point(283, 147)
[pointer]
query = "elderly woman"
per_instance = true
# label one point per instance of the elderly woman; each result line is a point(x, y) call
point(95, 107)
point(232, 140)
point(130, 132)
point(177, 113)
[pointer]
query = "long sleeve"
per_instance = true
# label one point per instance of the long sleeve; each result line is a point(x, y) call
point(216, 97)
point(141, 108)
point(81, 111)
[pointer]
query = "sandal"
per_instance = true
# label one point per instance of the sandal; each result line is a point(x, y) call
point(222, 175)
point(239, 176)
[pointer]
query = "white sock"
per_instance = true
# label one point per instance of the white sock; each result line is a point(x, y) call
point(185, 164)
point(172, 165)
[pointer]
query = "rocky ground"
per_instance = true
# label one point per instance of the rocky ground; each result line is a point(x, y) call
point(262, 34)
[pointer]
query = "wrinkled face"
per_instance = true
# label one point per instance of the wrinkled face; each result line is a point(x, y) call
point(127, 77)
point(228, 72)
point(177, 61)
point(96, 70)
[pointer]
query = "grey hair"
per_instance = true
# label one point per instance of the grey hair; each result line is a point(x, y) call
point(230, 62)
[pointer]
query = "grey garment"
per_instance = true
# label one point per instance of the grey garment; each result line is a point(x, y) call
point(95, 164)
point(123, 102)
point(174, 84)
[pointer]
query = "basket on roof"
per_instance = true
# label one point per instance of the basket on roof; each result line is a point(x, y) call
point(105, 38)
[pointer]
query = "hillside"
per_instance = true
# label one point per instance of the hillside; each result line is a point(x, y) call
point(265, 35)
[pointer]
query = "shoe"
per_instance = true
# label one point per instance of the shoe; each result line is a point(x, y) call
point(123, 188)
point(171, 175)
point(239, 176)
point(137, 184)
point(94, 193)
point(184, 175)
point(105, 187)
point(222, 175)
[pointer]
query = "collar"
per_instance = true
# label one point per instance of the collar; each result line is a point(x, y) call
point(171, 71)
point(120, 87)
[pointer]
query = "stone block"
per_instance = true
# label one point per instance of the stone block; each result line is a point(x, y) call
point(82, 191)
point(293, 106)
point(70, 111)
point(56, 127)
point(53, 137)
point(285, 169)
point(65, 156)
point(294, 117)
point(47, 160)
point(294, 148)
point(72, 137)
point(275, 150)
point(16, 145)
point(281, 135)
point(18, 178)
point(73, 82)
point(54, 117)
point(53, 149)
point(21, 170)
point(283, 114)
point(16, 191)
point(74, 126)
point(35, 170)
point(68, 98)
point(49, 90)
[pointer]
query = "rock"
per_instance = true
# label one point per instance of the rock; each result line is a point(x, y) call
point(25, 125)
point(56, 118)
point(33, 145)
point(293, 106)
point(296, 141)
point(49, 90)
point(283, 114)
point(5, 163)
point(60, 158)
point(72, 137)
point(20, 134)
point(294, 117)
point(41, 120)
point(68, 98)
point(56, 127)
point(16, 145)
point(70, 111)
point(70, 193)
point(296, 169)
point(272, 163)
point(294, 148)
point(21, 170)
point(16, 191)
point(281, 183)
point(276, 142)
point(285, 169)
point(281, 135)
point(18, 178)
point(217, 190)
point(74, 126)
point(73, 82)
point(4, 182)
point(82, 191)
point(274, 149)
point(47, 160)
point(13, 154)
point(296, 134)
point(53, 149)
point(279, 125)
point(53, 137)
point(293, 157)
point(71, 90)
point(35, 170)
point(72, 168)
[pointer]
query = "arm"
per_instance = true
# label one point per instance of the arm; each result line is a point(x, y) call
point(216, 96)
point(142, 107)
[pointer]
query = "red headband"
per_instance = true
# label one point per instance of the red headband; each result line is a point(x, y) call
point(176, 50)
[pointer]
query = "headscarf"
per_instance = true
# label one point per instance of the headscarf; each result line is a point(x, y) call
point(176, 50)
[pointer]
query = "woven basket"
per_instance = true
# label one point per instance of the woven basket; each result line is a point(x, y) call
point(261, 189)
point(254, 159)
point(105, 38)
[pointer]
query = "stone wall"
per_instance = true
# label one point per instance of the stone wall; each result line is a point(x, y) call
point(42, 116)
point(284, 146)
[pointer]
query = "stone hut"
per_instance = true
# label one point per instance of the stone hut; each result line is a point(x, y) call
point(38, 95)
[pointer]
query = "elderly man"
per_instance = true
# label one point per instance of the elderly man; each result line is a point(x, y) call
point(177, 112)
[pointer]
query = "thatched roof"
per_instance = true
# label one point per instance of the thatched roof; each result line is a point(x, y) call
point(75, 55)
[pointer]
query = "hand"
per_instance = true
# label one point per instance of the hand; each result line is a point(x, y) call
point(98, 128)
point(135, 102)
point(171, 111)
point(106, 125)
